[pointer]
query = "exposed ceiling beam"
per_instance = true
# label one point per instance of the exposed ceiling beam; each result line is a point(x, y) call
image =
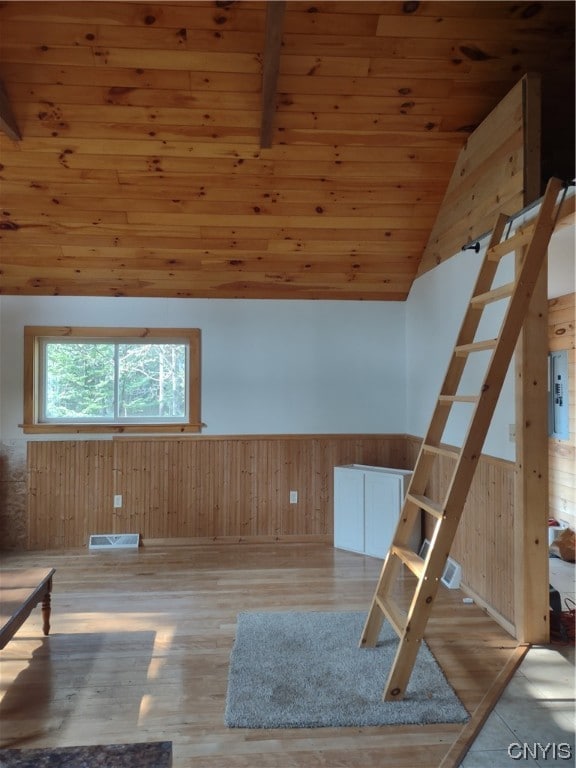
point(271, 65)
point(7, 120)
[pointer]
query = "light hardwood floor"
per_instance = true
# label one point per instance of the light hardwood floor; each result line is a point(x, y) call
point(140, 644)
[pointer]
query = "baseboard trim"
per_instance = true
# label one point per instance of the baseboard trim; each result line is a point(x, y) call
point(507, 625)
point(203, 540)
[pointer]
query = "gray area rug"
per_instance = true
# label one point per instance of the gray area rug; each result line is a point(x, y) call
point(305, 670)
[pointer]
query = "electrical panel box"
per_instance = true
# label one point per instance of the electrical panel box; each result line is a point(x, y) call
point(558, 395)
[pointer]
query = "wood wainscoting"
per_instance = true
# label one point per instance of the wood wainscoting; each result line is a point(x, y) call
point(484, 543)
point(237, 488)
point(195, 488)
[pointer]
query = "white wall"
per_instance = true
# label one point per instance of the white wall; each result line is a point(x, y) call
point(434, 312)
point(435, 309)
point(268, 367)
point(284, 367)
point(562, 263)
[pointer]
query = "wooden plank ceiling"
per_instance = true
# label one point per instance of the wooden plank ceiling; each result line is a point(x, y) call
point(144, 170)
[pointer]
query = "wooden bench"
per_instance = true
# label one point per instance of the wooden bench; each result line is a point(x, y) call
point(20, 593)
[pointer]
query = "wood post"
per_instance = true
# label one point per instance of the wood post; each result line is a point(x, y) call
point(531, 477)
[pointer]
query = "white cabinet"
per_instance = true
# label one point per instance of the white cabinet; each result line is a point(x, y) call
point(367, 505)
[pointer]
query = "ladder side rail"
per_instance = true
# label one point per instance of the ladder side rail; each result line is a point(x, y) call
point(416, 620)
point(534, 258)
point(453, 375)
point(445, 531)
point(425, 462)
point(375, 617)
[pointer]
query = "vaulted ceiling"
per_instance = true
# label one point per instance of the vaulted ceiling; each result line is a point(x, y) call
point(244, 149)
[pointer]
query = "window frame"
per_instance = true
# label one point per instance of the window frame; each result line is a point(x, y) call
point(34, 334)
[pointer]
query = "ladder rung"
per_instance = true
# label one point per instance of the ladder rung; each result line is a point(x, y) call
point(477, 346)
point(502, 292)
point(451, 453)
point(393, 613)
point(447, 399)
point(433, 507)
point(414, 562)
point(521, 237)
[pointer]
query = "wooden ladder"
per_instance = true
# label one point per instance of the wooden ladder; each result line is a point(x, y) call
point(532, 242)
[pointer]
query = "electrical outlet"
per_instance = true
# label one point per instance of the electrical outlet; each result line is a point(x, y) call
point(118, 501)
point(293, 497)
point(512, 433)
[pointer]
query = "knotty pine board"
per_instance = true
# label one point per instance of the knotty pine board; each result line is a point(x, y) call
point(150, 104)
point(489, 176)
point(206, 488)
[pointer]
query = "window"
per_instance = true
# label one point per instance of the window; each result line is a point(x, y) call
point(111, 379)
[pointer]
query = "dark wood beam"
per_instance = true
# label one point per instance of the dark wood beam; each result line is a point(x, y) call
point(271, 65)
point(7, 120)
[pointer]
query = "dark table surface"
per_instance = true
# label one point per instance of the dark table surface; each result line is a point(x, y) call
point(156, 754)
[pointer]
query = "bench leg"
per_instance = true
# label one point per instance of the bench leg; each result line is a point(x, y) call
point(46, 608)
